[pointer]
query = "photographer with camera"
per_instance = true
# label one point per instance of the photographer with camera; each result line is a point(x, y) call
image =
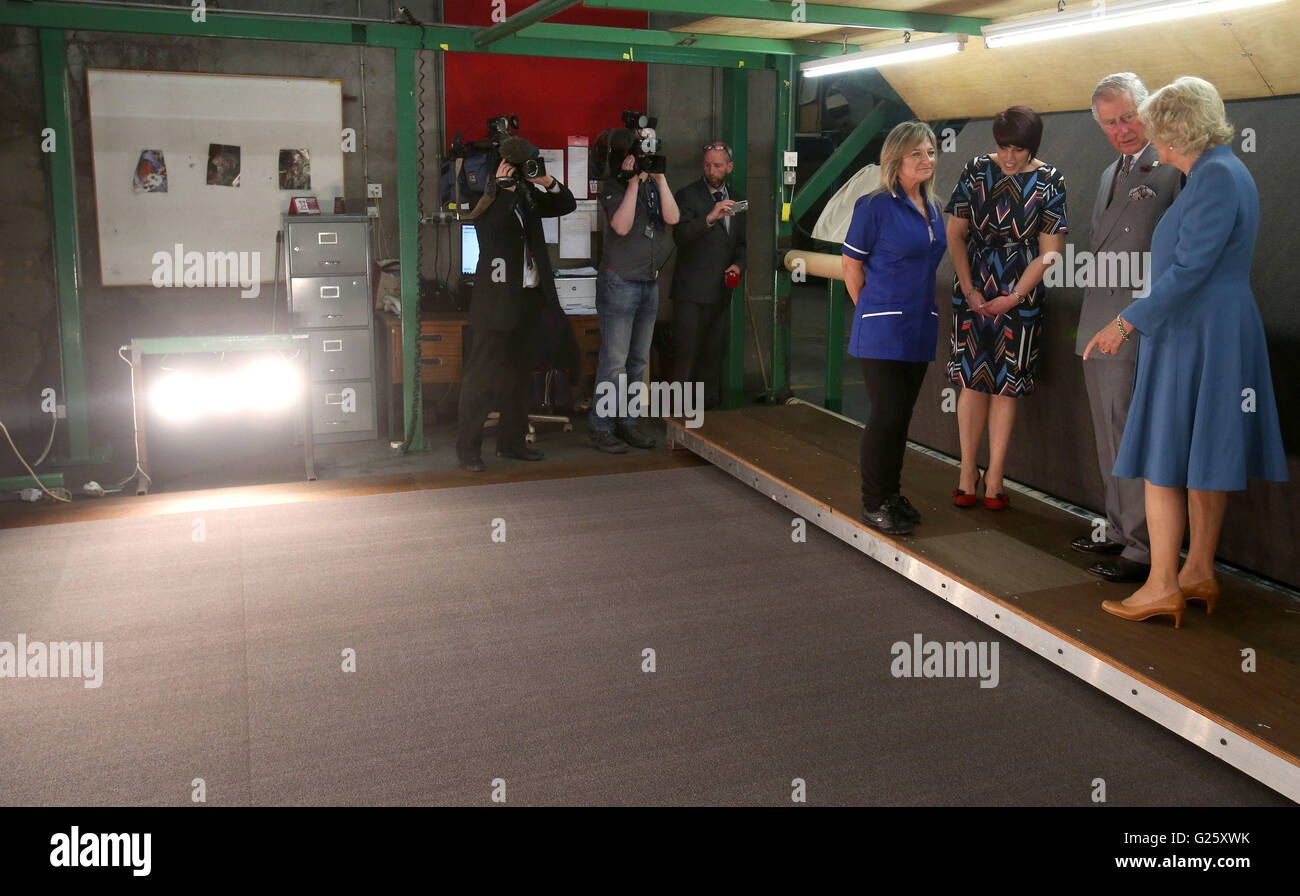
point(638, 206)
point(514, 294)
point(710, 259)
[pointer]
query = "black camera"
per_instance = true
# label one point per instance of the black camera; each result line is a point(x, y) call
point(531, 169)
point(502, 127)
point(644, 147)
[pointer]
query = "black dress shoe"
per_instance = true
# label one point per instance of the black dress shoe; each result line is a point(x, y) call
point(523, 453)
point(1086, 545)
point(904, 508)
point(887, 519)
point(1121, 569)
point(473, 464)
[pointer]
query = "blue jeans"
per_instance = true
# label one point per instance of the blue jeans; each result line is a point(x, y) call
point(627, 310)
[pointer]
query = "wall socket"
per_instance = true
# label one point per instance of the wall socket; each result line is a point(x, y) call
point(374, 191)
point(372, 211)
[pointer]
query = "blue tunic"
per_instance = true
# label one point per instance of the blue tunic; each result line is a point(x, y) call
point(1203, 414)
point(896, 318)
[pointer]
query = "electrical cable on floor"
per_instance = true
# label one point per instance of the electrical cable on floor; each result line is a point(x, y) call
point(32, 472)
point(135, 434)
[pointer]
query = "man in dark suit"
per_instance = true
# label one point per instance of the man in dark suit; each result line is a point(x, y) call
point(1134, 193)
point(514, 288)
point(710, 240)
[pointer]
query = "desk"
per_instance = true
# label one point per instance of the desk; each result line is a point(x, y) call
point(180, 345)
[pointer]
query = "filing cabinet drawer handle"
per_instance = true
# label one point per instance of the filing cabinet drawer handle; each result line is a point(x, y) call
point(334, 398)
point(331, 316)
point(432, 337)
point(331, 345)
point(433, 362)
point(591, 331)
point(329, 261)
point(329, 292)
point(335, 369)
point(326, 238)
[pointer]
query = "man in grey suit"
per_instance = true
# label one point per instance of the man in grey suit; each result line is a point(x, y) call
point(1135, 191)
point(710, 240)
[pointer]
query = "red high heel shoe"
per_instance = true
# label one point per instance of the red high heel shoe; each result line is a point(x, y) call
point(1000, 501)
point(967, 499)
point(1207, 591)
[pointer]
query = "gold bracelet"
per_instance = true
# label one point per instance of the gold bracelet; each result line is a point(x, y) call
point(1123, 332)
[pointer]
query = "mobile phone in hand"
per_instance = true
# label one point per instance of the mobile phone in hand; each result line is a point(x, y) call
point(739, 207)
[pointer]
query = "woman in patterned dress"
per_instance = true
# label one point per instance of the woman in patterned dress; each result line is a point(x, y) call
point(1006, 213)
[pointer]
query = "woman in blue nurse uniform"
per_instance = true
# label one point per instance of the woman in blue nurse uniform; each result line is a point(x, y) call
point(889, 259)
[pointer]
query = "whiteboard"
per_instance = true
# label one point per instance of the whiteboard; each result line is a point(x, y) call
point(181, 114)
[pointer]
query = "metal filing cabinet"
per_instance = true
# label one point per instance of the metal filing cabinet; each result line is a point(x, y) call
point(327, 267)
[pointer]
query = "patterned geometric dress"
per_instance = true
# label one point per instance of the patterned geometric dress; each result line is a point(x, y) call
point(1007, 213)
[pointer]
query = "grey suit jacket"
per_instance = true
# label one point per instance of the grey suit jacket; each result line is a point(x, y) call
point(1123, 226)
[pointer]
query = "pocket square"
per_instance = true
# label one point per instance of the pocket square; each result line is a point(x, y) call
point(1141, 191)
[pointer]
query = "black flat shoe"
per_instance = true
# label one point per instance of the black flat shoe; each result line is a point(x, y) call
point(1085, 545)
point(887, 519)
point(524, 453)
point(635, 437)
point(1121, 569)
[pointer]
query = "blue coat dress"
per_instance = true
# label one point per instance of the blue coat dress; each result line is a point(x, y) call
point(1203, 414)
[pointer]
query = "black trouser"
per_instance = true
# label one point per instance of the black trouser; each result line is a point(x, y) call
point(497, 377)
point(892, 388)
point(700, 344)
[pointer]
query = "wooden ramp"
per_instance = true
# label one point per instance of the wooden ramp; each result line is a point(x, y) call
point(1015, 571)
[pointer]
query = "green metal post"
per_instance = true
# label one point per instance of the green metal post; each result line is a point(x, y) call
point(843, 156)
point(408, 239)
point(735, 131)
point(785, 74)
point(63, 205)
point(836, 293)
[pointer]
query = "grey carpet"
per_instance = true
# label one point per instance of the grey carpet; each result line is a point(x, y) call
point(522, 661)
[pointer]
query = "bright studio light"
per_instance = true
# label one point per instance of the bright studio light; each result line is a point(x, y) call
point(260, 387)
point(874, 58)
point(1104, 17)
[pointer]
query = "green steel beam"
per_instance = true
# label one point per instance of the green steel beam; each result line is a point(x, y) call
point(17, 483)
point(735, 131)
point(843, 156)
point(67, 258)
point(408, 229)
point(626, 52)
point(836, 293)
point(543, 9)
point(682, 40)
point(812, 14)
point(618, 44)
point(784, 226)
point(216, 23)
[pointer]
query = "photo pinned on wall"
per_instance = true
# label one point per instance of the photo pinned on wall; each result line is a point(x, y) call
point(223, 165)
point(295, 169)
point(150, 172)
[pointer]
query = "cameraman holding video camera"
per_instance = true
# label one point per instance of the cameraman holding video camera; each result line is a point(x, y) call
point(514, 291)
point(638, 206)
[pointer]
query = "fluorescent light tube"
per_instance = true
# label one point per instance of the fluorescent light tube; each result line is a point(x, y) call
point(874, 58)
point(1104, 17)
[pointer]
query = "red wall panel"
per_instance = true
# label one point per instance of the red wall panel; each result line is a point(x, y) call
point(553, 98)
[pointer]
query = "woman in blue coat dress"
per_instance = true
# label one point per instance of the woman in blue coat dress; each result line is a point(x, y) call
point(1203, 419)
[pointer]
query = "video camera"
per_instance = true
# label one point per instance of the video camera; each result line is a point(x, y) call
point(641, 142)
point(500, 128)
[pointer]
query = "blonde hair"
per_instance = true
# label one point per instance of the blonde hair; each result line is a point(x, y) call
point(1188, 114)
point(902, 140)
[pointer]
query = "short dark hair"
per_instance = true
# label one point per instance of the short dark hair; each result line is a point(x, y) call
point(1018, 126)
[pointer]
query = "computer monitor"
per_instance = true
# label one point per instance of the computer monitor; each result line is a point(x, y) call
point(468, 249)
